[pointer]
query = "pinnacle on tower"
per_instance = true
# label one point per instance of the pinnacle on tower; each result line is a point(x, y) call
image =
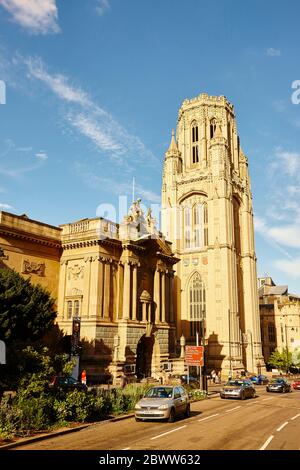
point(173, 146)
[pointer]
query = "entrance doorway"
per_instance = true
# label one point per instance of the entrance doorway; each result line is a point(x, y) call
point(144, 354)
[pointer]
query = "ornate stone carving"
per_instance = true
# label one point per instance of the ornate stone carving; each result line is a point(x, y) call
point(31, 267)
point(76, 272)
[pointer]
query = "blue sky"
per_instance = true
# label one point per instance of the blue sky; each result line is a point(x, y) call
point(93, 91)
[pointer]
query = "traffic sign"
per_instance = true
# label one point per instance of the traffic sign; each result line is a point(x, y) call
point(194, 355)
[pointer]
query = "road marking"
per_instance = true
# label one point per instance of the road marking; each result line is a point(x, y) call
point(294, 417)
point(265, 399)
point(266, 443)
point(282, 426)
point(252, 402)
point(165, 433)
point(126, 448)
point(207, 417)
point(232, 409)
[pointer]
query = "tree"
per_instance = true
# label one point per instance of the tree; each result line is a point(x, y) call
point(26, 310)
point(281, 360)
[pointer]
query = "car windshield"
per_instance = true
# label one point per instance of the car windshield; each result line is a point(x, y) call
point(159, 392)
point(235, 383)
point(278, 381)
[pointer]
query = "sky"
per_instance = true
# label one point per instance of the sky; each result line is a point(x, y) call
point(93, 90)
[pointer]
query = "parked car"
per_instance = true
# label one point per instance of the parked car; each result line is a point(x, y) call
point(67, 383)
point(238, 388)
point(259, 379)
point(163, 402)
point(296, 385)
point(279, 385)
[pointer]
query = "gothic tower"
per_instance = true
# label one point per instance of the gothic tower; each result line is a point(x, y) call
point(207, 214)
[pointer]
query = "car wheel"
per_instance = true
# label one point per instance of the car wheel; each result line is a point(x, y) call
point(243, 396)
point(137, 419)
point(172, 416)
point(187, 413)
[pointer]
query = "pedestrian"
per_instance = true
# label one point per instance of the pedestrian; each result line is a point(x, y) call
point(83, 377)
point(213, 375)
point(123, 381)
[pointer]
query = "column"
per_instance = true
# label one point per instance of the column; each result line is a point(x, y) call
point(61, 288)
point(86, 287)
point(134, 292)
point(94, 288)
point(119, 291)
point(101, 282)
point(163, 296)
point(144, 306)
point(126, 291)
point(157, 295)
point(106, 303)
point(171, 297)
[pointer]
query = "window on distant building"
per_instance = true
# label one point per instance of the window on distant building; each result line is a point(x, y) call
point(69, 308)
point(213, 126)
point(271, 333)
point(76, 308)
point(197, 303)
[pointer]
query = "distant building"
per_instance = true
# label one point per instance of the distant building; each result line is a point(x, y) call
point(279, 317)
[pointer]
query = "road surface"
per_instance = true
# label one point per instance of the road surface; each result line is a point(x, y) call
point(270, 421)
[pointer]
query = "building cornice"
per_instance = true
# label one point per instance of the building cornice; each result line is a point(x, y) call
point(25, 236)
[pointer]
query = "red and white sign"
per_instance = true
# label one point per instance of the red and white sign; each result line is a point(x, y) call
point(194, 355)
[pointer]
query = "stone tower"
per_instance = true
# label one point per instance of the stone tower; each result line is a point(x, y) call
point(207, 214)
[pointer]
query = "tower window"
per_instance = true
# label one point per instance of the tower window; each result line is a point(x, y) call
point(187, 227)
point(213, 126)
point(205, 224)
point(195, 153)
point(197, 301)
point(195, 140)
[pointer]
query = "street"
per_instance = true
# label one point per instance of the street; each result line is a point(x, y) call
point(270, 421)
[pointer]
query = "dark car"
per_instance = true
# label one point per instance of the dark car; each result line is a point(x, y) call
point(67, 383)
point(279, 386)
point(259, 379)
point(238, 388)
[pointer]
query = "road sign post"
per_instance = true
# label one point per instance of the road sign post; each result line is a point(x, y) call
point(194, 356)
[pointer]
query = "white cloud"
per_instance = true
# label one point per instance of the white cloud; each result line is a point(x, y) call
point(261, 227)
point(102, 7)
point(288, 235)
point(289, 267)
point(272, 52)
point(91, 120)
point(37, 16)
point(41, 155)
point(58, 83)
point(289, 163)
point(5, 207)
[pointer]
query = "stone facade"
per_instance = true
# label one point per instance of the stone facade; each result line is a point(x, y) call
point(279, 317)
point(207, 214)
point(138, 307)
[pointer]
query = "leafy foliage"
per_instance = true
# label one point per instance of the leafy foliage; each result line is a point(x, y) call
point(281, 360)
point(26, 311)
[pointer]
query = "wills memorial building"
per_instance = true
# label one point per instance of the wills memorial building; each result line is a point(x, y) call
point(143, 294)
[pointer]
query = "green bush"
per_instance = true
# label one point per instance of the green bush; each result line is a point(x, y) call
point(79, 406)
point(197, 394)
point(10, 419)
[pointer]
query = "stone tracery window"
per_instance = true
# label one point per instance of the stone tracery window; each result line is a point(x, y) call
point(195, 226)
point(213, 126)
point(69, 308)
point(197, 303)
point(195, 142)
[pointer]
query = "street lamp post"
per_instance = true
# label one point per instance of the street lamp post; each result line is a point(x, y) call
point(286, 344)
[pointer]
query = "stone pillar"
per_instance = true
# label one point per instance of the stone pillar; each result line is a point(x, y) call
point(94, 288)
point(157, 295)
point(86, 287)
point(119, 290)
point(126, 291)
point(171, 291)
point(101, 284)
point(144, 306)
point(62, 288)
point(163, 297)
point(106, 303)
point(134, 292)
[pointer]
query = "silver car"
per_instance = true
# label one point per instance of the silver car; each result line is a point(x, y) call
point(163, 402)
point(238, 389)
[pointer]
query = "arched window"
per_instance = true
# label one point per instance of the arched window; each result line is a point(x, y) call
point(76, 308)
point(205, 224)
point(197, 220)
point(187, 227)
point(197, 304)
point(69, 308)
point(213, 126)
point(195, 145)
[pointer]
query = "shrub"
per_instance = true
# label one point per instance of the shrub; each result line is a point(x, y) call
point(10, 419)
point(197, 395)
point(79, 406)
